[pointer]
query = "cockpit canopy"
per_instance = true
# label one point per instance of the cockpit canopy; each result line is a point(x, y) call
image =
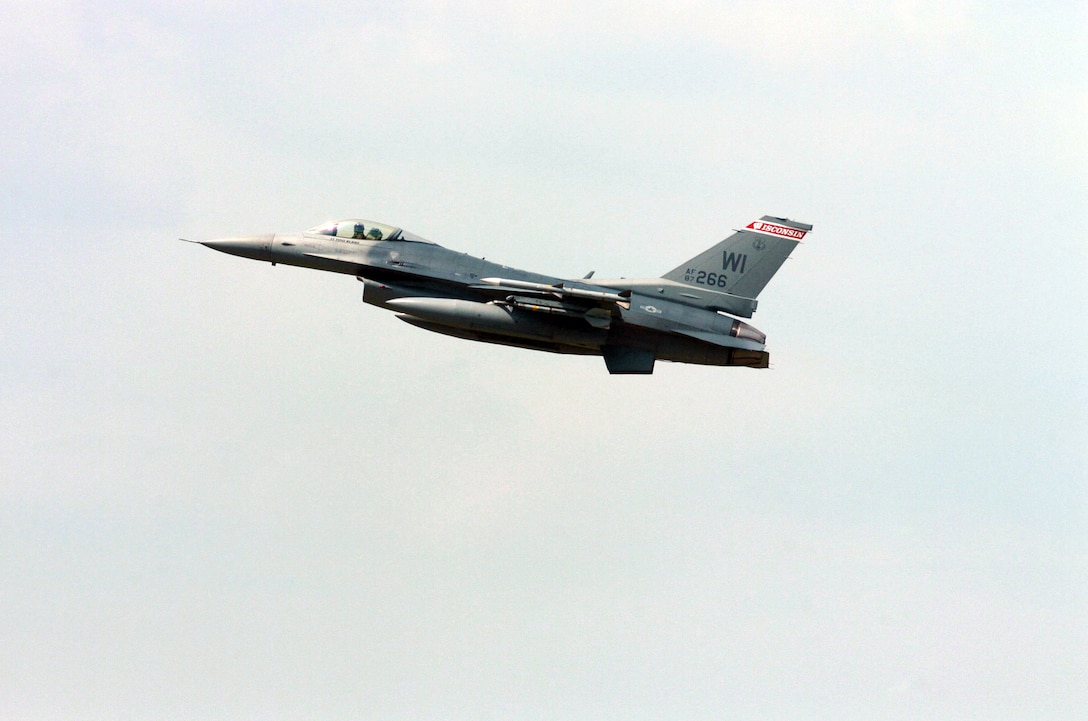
point(358, 229)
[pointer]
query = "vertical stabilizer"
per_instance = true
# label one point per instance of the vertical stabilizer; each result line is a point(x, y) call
point(743, 263)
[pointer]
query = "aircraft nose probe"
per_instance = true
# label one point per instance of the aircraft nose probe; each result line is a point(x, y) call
point(255, 247)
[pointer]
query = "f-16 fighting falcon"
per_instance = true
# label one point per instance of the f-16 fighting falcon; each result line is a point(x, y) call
point(686, 315)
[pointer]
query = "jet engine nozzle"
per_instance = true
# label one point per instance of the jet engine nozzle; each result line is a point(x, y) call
point(741, 329)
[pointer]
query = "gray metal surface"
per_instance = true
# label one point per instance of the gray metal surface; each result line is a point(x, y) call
point(687, 316)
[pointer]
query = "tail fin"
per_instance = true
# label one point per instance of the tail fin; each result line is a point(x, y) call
point(743, 263)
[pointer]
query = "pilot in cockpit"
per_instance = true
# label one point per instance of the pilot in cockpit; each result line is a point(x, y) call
point(365, 230)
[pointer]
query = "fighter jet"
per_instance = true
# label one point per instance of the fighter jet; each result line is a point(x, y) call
point(688, 315)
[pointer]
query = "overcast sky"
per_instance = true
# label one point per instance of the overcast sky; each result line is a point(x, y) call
point(232, 491)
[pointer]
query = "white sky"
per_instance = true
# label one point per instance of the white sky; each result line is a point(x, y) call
point(229, 491)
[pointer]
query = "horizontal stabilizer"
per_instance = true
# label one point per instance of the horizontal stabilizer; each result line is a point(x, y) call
point(751, 358)
point(726, 341)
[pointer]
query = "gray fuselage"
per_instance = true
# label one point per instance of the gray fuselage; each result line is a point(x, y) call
point(630, 323)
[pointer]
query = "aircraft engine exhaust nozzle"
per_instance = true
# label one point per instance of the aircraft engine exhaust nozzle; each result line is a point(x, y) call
point(741, 329)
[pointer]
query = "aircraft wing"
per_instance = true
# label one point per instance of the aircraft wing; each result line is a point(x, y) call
point(696, 297)
point(557, 290)
point(596, 307)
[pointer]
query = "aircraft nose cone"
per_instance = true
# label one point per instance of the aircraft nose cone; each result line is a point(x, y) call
point(257, 247)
